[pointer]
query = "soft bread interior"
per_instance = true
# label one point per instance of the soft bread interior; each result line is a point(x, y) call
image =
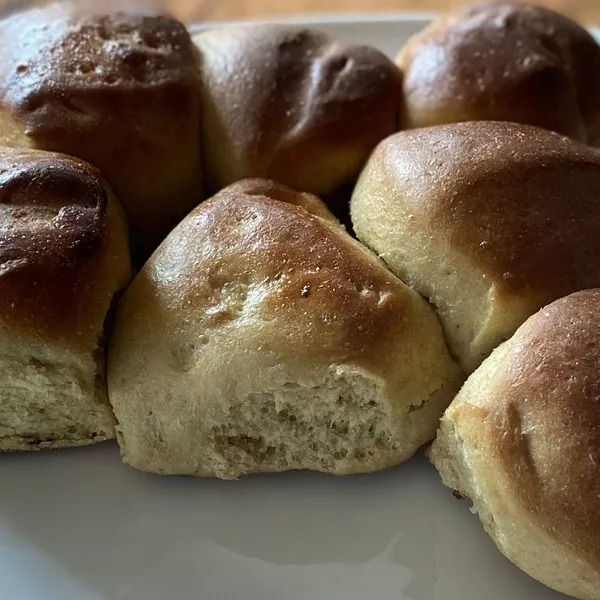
point(51, 398)
point(340, 425)
point(327, 426)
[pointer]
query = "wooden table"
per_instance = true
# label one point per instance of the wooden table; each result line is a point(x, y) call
point(587, 11)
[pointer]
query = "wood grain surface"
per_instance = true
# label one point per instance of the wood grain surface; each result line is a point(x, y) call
point(586, 11)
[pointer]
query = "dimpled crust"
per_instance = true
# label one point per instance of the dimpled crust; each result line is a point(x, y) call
point(120, 91)
point(260, 337)
point(522, 440)
point(58, 269)
point(504, 62)
point(63, 255)
point(488, 220)
point(294, 105)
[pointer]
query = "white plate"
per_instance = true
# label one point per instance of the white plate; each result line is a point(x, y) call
point(388, 32)
point(78, 525)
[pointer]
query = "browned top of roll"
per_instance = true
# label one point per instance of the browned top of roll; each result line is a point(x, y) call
point(277, 191)
point(319, 78)
point(292, 98)
point(541, 420)
point(59, 52)
point(522, 203)
point(54, 244)
point(119, 91)
point(504, 61)
point(299, 270)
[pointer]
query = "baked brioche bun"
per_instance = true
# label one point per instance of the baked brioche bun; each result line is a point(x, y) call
point(522, 441)
point(487, 220)
point(503, 61)
point(260, 337)
point(63, 256)
point(294, 105)
point(117, 90)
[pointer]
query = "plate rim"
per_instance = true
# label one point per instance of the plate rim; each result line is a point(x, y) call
point(374, 18)
point(315, 19)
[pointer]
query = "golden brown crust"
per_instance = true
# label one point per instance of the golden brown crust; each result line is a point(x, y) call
point(54, 246)
point(277, 191)
point(519, 202)
point(506, 62)
point(78, 53)
point(120, 91)
point(323, 286)
point(294, 105)
point(539, 426)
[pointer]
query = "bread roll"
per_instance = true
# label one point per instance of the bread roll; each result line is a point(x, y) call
point(488, 220)
point(63, 255)
point(504, 61)
point(261, 337)
point(522, 441)
point(120, 91)
point(293, 105)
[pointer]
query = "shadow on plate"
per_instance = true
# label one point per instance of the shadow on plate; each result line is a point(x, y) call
point(124, 534)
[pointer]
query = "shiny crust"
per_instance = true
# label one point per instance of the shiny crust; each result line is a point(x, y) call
point(277, 191)
point(120, 91)
point(554, 364)
point(318, 281)
point(294, 105)
point(77, 52)
point(533, 425)
point(63, 249)
point(505, 62)
point(521, 203)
